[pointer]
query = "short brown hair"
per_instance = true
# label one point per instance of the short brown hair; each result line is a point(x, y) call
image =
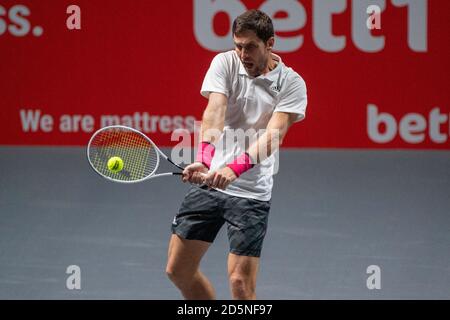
point(256, 21)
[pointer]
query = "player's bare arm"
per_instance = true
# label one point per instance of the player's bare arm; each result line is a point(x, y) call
point(211, 128)
point(262, 148)
point(273, 137)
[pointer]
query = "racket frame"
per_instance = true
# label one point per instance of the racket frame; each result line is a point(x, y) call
point(158, 154)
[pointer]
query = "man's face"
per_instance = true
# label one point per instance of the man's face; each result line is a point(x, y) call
point(253, 52)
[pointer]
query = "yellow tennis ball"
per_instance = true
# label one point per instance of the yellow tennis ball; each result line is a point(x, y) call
point(115, 164)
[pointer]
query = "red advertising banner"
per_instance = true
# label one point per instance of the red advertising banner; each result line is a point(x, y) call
point(376, 70)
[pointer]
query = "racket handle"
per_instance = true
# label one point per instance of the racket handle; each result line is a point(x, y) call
point(180, 173)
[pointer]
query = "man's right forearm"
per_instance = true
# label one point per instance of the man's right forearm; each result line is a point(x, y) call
point(213, 118)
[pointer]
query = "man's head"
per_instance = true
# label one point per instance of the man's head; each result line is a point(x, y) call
point(253, 37)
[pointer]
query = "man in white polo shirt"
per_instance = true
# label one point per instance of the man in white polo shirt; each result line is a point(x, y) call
point(250, 91)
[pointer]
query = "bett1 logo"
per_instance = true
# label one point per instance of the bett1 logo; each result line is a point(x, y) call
point(295, 19)
point(412, 128)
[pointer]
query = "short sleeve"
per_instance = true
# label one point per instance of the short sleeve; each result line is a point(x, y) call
point(217, 77)
point(294, 98)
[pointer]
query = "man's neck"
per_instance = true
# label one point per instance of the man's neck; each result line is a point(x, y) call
point(271, 64)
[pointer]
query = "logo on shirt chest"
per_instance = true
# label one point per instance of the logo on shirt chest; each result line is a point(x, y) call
point(276, 88)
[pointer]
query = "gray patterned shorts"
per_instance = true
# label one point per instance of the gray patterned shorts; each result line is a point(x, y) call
point(204, 211)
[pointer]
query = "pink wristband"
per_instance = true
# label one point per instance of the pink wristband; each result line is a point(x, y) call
point(241, 164)
point(205, 153)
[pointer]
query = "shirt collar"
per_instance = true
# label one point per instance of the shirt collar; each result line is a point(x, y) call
point(273, 75)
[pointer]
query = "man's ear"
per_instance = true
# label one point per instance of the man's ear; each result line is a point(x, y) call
point(270, 43)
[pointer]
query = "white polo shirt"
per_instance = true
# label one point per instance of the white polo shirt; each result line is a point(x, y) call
point(251, 103)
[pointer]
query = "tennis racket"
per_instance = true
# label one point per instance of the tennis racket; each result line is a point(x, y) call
point(140, 156)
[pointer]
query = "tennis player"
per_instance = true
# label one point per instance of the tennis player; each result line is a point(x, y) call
point(249, 89)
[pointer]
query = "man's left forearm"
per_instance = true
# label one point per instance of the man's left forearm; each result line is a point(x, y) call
point(272, 138)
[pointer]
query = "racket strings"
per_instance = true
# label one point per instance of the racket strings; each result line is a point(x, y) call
point(140, 158)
